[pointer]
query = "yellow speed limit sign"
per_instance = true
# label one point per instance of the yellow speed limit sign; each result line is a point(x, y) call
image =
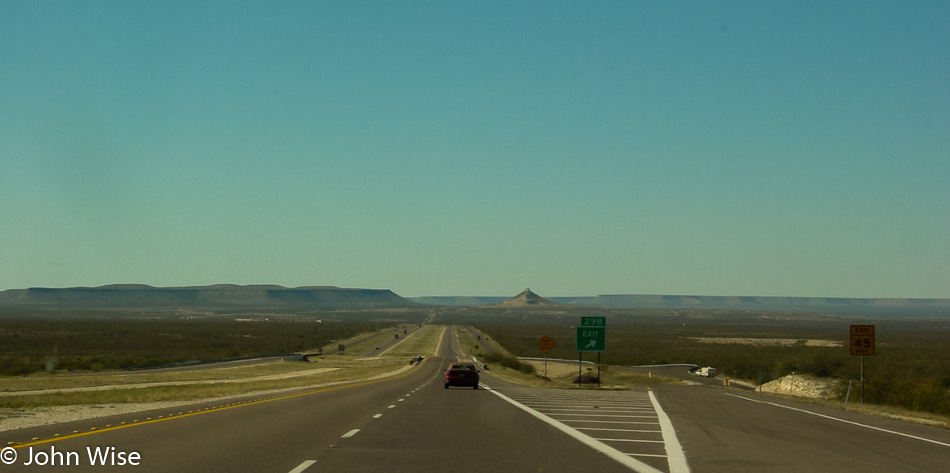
point(862, 339)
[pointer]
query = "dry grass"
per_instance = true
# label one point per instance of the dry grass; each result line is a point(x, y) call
point(224, 372)
point(562, 376)
point(421, 342)
point(559, 375)
point(469, 342)
point(379, 338)
point(926, 418)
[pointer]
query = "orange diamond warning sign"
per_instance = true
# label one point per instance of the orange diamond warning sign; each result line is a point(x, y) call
point(546, 344)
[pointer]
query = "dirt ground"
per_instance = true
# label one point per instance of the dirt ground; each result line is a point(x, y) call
point(559, 370)
point(785, 342)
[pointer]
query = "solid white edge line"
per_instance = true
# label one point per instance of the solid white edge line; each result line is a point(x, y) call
point(674, 451)
point(611, 452)
point(845, 421)
point(629, 440)
point(303, 466)
point(350, 433)
point(604, 429)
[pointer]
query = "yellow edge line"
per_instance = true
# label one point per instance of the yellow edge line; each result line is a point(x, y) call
point(208, 411)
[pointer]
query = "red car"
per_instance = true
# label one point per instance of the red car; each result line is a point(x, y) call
point(461, 375)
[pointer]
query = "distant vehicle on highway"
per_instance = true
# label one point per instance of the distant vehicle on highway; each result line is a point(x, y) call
point(461, 374)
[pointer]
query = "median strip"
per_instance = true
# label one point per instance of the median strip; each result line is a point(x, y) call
point(136, 423)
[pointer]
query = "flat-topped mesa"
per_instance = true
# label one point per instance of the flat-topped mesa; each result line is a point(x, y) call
point(137, 296)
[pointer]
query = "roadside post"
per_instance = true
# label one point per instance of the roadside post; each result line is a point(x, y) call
point(546, 344)
point(591, 337)
point(862, 343)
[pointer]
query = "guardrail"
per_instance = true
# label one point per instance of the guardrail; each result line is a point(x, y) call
point(555, 360)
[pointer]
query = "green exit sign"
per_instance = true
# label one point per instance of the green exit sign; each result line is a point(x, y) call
point(591, 339)
point(593, 321)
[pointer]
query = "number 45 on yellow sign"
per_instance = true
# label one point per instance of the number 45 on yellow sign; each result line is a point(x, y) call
point(862, 339)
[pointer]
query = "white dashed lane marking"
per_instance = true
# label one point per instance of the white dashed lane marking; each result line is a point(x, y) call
point(303, 466)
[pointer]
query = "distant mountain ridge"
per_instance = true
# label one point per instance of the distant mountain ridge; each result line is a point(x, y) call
point(831, 305)
point(274, 297)
point(136, 296)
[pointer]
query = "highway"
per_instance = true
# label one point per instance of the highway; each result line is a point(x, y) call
point(410, 423)
point(728, 430)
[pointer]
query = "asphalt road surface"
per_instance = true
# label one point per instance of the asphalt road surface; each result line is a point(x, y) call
point(730, 430)
point(410, 423)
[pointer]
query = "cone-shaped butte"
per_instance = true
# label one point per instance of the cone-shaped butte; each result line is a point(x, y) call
point(526, 299)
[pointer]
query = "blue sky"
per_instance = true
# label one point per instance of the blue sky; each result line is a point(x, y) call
point(478, 148)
